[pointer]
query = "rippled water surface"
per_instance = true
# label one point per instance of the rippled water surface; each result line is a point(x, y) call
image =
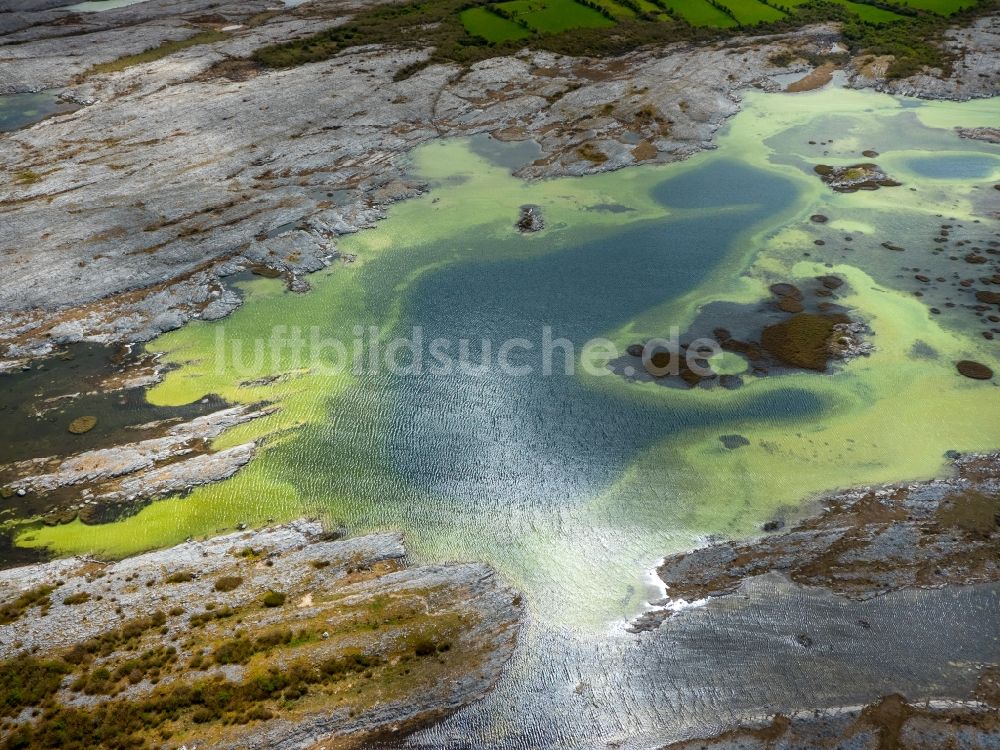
point(574, 484)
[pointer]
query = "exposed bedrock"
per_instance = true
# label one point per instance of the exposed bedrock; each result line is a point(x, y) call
point(864, 543)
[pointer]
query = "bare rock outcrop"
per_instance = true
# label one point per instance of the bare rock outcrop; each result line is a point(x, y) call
point(866, 542)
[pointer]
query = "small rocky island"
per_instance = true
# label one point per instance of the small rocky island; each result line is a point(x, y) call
point(530, 220)
point(855, 177)
point(274, 639)
point(793, 330)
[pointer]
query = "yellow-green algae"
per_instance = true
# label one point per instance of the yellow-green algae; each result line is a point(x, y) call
point(884, 418)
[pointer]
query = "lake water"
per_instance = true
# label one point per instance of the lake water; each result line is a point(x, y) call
point(956, 167)
point(575, 484)
point(95, 6)
point(20, 110)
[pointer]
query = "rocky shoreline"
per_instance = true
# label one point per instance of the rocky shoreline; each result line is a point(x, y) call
point(865, 542)
point(891, 722)
point(103, 483)
point(278, 639)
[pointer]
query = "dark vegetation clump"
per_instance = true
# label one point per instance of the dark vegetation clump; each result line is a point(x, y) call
point(105, 644)
point(27, 681)
point(148, 665)
point(196, 621)
point(273, 599)
point(803, 339)
point(121, 724)
point(228, 583)
point(425, 646)
point(36, 597)
point(180, 576)
point(240, 650)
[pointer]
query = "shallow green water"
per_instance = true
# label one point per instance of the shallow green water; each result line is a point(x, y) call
point(575, 485)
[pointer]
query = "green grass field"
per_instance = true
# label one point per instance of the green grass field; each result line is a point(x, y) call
point(554, 16)
point(700, 13)
point(941, 7)
point(749, 12)
point(616, 9)
point(491, 27)
point(869, 13)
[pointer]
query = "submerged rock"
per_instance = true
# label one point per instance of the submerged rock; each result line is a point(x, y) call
point(530, 220)
point(786, 290)
point(732, 442)
point(974, 370)
point(81, 425)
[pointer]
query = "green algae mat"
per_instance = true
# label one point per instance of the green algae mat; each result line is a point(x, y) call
point(575, 481)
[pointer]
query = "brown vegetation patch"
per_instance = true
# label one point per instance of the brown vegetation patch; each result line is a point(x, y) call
point(591, 153)
point(816, 78)
point(803, 340)
point(81, 425)
point(974, 370)
point(977, 514)
point(644, 151)
point(233, 69)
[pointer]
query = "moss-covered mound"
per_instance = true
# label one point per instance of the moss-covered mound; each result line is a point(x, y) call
point(803, 339)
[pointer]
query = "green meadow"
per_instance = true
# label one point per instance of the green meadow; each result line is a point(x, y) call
point(866, 12)
point(940, 7)
point(700, 13)
point(519, 19)
point(749, 12)
point(490, 26)
point(555, 16)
